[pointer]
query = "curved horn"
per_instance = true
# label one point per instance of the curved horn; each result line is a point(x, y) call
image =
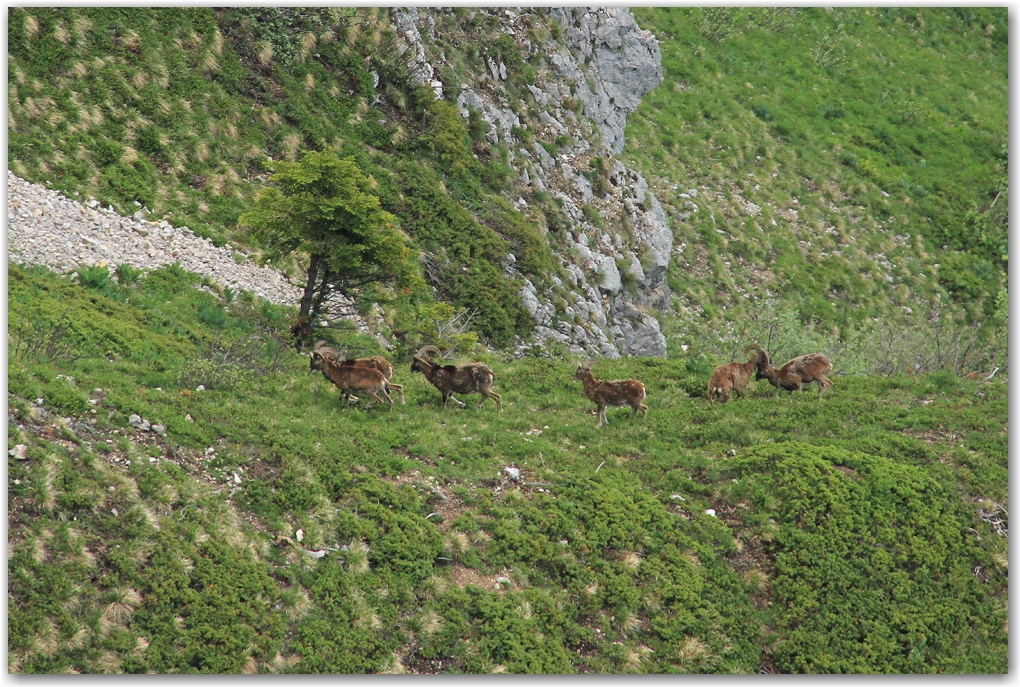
point(429, 349)
point(761, 351)
point(321, 343)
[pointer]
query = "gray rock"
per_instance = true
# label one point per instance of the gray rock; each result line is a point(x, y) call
point(137, 422)
point(159, 429)
point(19, 452)
point(624, 63)
point(611, 280)
point(544, 158)
point(513, 473)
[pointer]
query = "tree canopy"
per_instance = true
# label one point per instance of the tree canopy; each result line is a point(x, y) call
point(323, 205)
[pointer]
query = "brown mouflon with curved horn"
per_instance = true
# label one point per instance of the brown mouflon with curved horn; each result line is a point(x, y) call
point(733, 377)
point(469, 378)
point(804, 369)
point(376, 362)
point(350, 378)
point(616, 393)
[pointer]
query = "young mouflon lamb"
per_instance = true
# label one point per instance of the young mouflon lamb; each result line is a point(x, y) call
point(733, 377)
point(619, 392)
point(469, 378)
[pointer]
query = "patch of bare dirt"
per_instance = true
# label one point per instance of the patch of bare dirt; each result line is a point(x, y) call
point(935, 437)
point(462, 576)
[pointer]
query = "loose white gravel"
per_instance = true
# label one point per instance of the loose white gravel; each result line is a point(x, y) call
point(46, 228)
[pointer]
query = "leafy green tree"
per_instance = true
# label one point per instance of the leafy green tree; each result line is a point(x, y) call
point(324, 206)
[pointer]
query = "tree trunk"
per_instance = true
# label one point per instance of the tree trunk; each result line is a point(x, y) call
point(323, 291)
point(313, 274)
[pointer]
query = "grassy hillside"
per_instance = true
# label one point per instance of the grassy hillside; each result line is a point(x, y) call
point(851, 163)
point(859, 532)
point(181, 112)
point(836, 153)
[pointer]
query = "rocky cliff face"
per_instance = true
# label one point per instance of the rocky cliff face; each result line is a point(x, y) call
point(616, 246)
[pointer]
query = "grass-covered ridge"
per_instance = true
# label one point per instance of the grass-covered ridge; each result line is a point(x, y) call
point(183, 111)
point(851, 533)
point(850, 161)
point(835, 154)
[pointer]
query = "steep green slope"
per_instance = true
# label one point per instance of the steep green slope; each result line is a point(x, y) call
point(853, 533)
point(183, 111)
point(847, 160)
point(835, 154)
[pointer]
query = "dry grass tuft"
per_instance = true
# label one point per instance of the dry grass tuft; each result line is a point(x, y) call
point(125, 601)
point(162, 77)
point(77, 640)
point(691, 649)
point(31, 26)
point(291, 143)
point(141, 644)
point(108, 663)
point(591, 589)
point(357, 560)
point(631, 623)
point(61, 33)
point(215, 184)
point(37, 549)
point(209, 63)
point(269, 118)
point(309, 81)
point(631, 560)
point(130, 40)
point(308, 41)
point(431, 622)
point(351, 37)
point(45, 641)
point(394, 666)
point(82, 26)
point(217, 42)
point(432, 587)
point(131, 155)
point(280, 663)
point(295, 602)
point(633, 658)
point(459, 543)
point(264, 52)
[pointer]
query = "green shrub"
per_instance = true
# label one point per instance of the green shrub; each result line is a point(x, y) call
point(592, 214)
point(851, 533)
point(93, 277)
point(127, 274)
